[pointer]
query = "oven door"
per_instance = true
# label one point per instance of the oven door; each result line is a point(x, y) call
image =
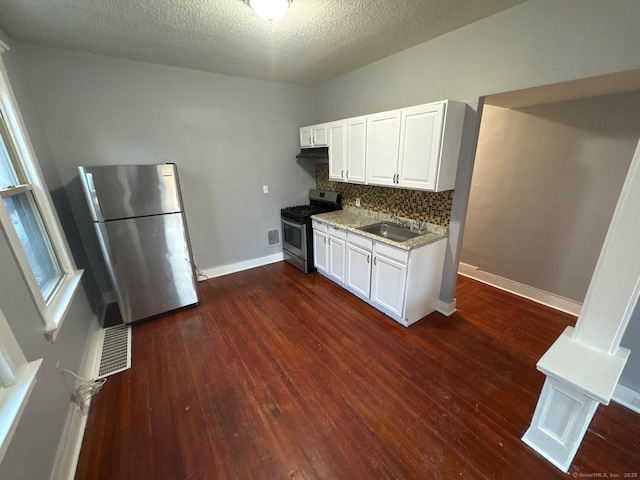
point(295, 238)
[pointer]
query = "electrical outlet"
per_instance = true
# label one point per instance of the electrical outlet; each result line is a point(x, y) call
point(265, 188)
point(357, 201)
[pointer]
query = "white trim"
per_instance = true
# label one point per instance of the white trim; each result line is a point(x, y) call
point(627, 397)
point(539, 296)
point(73, 434)
point(69, 449)
point(445, 308)
point(240, 266)
point(560, 421)
point(13, 400)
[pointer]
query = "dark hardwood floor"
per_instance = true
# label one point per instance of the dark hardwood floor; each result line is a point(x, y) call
point(280, 375)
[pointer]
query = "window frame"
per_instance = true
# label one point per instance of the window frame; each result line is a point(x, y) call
point(53, 312)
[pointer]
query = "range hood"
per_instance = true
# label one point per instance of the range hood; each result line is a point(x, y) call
point(320, 153)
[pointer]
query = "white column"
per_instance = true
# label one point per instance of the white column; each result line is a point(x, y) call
point(584, 365)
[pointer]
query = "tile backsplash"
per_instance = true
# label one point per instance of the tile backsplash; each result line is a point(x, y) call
point(416, 204)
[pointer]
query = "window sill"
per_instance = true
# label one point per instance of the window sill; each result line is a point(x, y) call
point(57, 310)
point(13, 400)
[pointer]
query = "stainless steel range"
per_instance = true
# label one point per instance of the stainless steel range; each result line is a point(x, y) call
point(297, 230)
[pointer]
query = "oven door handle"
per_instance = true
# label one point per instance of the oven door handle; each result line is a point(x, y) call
point(299, 226)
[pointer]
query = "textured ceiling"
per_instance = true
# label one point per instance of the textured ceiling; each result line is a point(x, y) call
point(316, 41)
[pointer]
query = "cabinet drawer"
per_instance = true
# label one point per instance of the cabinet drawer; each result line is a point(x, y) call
point(319, 225)
point(392, 252)
point(337, 232)
point(362, 242)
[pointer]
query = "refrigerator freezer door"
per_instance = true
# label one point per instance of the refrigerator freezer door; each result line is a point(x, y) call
point(125, 191)
point(149, 262)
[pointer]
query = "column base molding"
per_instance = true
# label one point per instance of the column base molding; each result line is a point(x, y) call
point(579, 379)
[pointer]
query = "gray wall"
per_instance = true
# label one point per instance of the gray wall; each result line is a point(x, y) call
point(545, 184)
point(540, 42)
point(630, 376)
point(32, 452)
point(229, 136)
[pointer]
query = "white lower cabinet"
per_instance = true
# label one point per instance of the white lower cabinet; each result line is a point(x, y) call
point(337, 253)
point(388, 283)
point(320, 247)
point(403, 284)
point(359, 261)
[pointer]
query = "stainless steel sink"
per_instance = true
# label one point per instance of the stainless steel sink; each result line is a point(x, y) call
point(391, 231)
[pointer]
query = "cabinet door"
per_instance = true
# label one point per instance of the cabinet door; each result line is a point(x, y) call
point(383, 141)
point(358, 270)
point(305, 137)
point(388, 281)
point(336, 267)
point(337, 147)
point(319, 134)
point(420, 144)
point(356, 147)
point(320, 250)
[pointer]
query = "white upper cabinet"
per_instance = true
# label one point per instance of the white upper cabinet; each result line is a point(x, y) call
point(383, 141)
point(430, 137)
point(319, 133)
point(306, 140)
point(314, 136)
point(337, 151)
point(420, 134)
point(415, 147)
point(347, 147)
point(356, 148)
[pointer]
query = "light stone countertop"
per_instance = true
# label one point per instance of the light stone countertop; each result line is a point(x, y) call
point(351, 218)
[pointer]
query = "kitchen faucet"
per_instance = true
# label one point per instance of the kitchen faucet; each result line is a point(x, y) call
point(400, 223)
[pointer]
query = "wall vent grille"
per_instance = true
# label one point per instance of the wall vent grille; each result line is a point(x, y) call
point(274, 237)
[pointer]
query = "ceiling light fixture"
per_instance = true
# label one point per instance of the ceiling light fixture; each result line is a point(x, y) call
point(270, 10)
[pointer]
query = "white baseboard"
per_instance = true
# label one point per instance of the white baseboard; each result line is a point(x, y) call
point(71, 441)
point(627, 397)
point(240, 266)
point(68, 454)
point(447, 309)
point(531, 293)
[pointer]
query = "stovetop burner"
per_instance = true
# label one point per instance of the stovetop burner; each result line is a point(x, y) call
point(321, 202)
point(304, 211)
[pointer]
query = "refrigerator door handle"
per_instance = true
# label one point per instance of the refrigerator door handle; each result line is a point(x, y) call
point(94, 196)
point(108, 249)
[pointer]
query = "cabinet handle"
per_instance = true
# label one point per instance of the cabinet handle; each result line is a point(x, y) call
point(325, 240)
point(367, 258)
point(375, 260)
point(310, 140)
point(341, 173)
point(347, 173)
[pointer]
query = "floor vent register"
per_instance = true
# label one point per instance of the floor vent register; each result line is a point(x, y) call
point(116, 350)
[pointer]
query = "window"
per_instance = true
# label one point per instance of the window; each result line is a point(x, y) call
point(27, 218)
point(18, 199)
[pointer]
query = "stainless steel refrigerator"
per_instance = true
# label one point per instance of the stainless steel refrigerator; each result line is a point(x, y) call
point(139, 218)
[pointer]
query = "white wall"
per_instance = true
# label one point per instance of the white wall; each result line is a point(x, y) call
point(229, 136)
point(32, 452)
point(545, 184)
